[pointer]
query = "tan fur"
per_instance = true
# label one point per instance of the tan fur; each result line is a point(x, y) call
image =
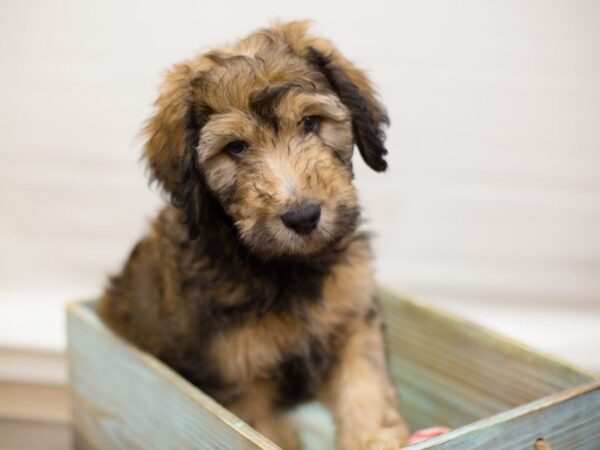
point(250, 311)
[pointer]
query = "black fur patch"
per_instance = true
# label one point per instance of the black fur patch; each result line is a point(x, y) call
point(299, 376)
point(368, 134)
point(185, 196)
point(195, 367)
point(263, 103)
point(281, 285)
point(374, 310)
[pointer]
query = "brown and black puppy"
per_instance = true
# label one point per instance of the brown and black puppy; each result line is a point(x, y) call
point(256, 285)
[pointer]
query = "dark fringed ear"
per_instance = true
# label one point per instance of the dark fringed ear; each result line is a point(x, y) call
point(173, 133)
point(186, 195)
point(367, 118)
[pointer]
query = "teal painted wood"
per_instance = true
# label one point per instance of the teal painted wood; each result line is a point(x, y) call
point(569, 420)
point(448, 371)
point(126, 399)
point(451, 372)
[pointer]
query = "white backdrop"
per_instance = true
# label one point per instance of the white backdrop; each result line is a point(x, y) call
point(491, 206)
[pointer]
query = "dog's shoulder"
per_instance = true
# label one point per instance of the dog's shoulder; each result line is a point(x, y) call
point(348, 290)
point(135, 300)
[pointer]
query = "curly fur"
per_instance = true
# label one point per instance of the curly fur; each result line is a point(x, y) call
point(259, 317)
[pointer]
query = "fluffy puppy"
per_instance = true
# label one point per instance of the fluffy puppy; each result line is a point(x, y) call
point(255, 284)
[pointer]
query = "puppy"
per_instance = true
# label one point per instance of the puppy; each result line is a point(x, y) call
point(255, 284)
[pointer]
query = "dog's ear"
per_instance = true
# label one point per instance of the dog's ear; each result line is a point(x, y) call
point(172, 137)
point(352, 87)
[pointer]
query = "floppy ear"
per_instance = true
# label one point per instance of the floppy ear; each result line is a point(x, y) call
point(170, 151)
point(352, 87)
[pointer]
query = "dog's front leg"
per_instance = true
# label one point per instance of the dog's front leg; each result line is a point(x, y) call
point(255, 407)
point(360, 394)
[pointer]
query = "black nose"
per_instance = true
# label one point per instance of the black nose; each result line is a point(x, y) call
point(302, 218)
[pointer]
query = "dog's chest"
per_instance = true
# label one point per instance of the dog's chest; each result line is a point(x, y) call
point(258, 348)
point(293, 348)
point(291, 356)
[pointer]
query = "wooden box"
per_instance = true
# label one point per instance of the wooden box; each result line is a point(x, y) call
point(494, 392)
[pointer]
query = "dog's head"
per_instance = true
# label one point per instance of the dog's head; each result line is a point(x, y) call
point(266, 129)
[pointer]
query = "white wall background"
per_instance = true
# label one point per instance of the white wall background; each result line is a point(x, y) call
point(491, 207)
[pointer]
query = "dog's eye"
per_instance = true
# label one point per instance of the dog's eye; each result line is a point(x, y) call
point(311, 124)
point(236, 148)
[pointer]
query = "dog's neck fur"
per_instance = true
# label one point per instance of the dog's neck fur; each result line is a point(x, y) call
point(253, 285)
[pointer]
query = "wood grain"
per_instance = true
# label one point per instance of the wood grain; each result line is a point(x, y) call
point(569, 420)
point(451, 372)
point(448, 372)
point(124, 398)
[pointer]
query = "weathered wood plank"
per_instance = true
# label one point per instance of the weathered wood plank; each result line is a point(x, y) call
point(569, 420)
point(448, 372)
point(452, 372)
point(124, 398)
